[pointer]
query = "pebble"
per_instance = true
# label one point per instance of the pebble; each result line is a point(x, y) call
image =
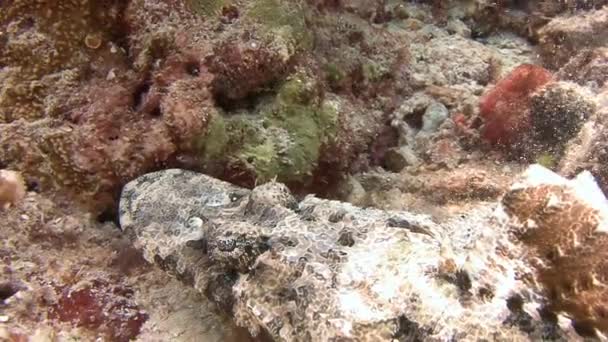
point(456, 26)
point(398, 158)
point(356, 193)
point(434, 115)
point(111, 75)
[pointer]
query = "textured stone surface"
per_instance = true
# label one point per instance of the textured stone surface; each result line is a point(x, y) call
point(588, 150)
point(318, 269)
point(94, 94)
point(589, 67)
point(557, 114)
point(563, 37)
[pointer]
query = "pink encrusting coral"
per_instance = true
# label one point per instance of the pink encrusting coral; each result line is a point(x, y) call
point(506, 107)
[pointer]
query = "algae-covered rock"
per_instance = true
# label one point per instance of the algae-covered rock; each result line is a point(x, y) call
point(563, 37)
point(285, 138)
point(588, 68)
point(93, 95)
point(557, 114)
point(397, 159)
point(245, 65)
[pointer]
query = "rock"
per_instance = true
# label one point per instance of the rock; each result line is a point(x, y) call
point(557, 113)
point(563, 37)
point(588, 150)
point(464, 184)
point(443, 152)
point(579, 152)
point(413, 24)
point(449, 60)
point(588, 68)
point(398, 158)
point(243, 66)
point(12, 188)
point(420, 113)
point(510, 51)
point(456, 26)
point(351, 191)
point(415, 104)
point(280, 266)
point(169, 84)
point(412, 10)
point(434, 115)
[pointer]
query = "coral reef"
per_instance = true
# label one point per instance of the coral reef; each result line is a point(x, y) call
point(149, 87)
point(420, 113)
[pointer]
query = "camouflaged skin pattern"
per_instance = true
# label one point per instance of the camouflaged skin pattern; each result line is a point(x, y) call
point(320, 270)
point(566, 233)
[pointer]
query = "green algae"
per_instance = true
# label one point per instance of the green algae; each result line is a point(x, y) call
point(334, 74)
point(282, 140)
point(283, 22)
point(208, 8)
point(374, 72)
point(547, 160)
point(217, 138)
